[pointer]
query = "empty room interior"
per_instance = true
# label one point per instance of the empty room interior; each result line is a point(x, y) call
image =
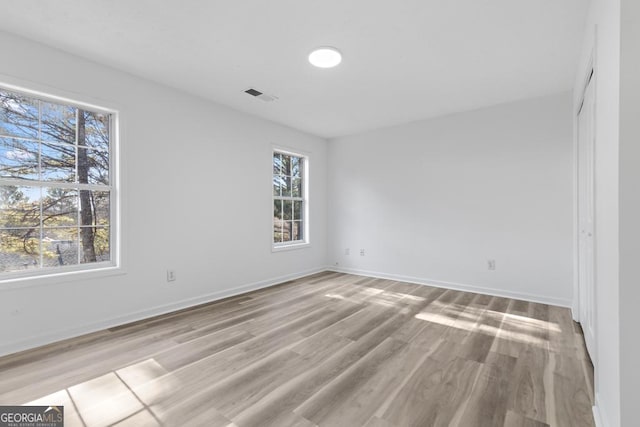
point(338, 213)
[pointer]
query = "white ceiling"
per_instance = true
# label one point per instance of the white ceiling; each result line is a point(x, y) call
point(403, 60)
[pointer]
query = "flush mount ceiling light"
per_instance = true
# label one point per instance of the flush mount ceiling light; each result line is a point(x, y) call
point(325, 57)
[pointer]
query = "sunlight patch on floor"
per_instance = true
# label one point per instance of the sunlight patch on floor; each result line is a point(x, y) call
point(379, 297)
point(110, 399)
point(512, 327)
point(528, 322)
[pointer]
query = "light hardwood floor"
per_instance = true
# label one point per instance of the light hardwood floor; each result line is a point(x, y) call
point(329, 350)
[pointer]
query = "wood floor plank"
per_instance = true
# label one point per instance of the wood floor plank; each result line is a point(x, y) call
point(378, 422)
point(517, 420)
point(434, 393)
point(192, 351)
point(527, 393)
point(355, 394)
point(329, 349)
point(328, 404)
point(573, 402)
point(562, 337)
point(487, 403)
point(269, 410)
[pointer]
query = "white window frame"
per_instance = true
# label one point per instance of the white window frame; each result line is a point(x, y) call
point(305, 242)
point(50, 275)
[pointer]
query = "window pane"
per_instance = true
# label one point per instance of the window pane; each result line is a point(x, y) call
point(277, 230)
point(59, 246)
point(59, 207)
point(96, 130)
point(286, 186)
point(93, 166)
point(297, 210)
point(278, 183)
point(58, 123)
point(296, 190)
point(58, 163)
point(287, 231)
point(19, 249)
point(18, 159)
point(286, 165)
point(94, 207)
point(287, 210)
point(18, 115)
point(94, 244)
point(297, 230)
point(19, 206)
point(295, 166)
point(277, 163)
point(277, 209)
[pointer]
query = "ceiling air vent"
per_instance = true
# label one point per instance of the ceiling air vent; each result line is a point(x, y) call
point(262, 96)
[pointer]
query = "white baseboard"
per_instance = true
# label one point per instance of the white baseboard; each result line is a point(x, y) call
point(51, 337)
point(457, 286)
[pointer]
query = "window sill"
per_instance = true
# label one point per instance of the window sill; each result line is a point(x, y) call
point(20, 282)
point(291, 247)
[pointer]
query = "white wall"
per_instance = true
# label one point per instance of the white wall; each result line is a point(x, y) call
point(197, 199)
point(629, 211)
point(602, 36)
point(432, 201)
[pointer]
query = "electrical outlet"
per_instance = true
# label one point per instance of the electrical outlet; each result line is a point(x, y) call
point(346, 251)
point(361, 252)
point(171, 275)
point(491, 264)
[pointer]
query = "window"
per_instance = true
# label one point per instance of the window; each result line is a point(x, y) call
point(289, 199)
point(56, 184)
